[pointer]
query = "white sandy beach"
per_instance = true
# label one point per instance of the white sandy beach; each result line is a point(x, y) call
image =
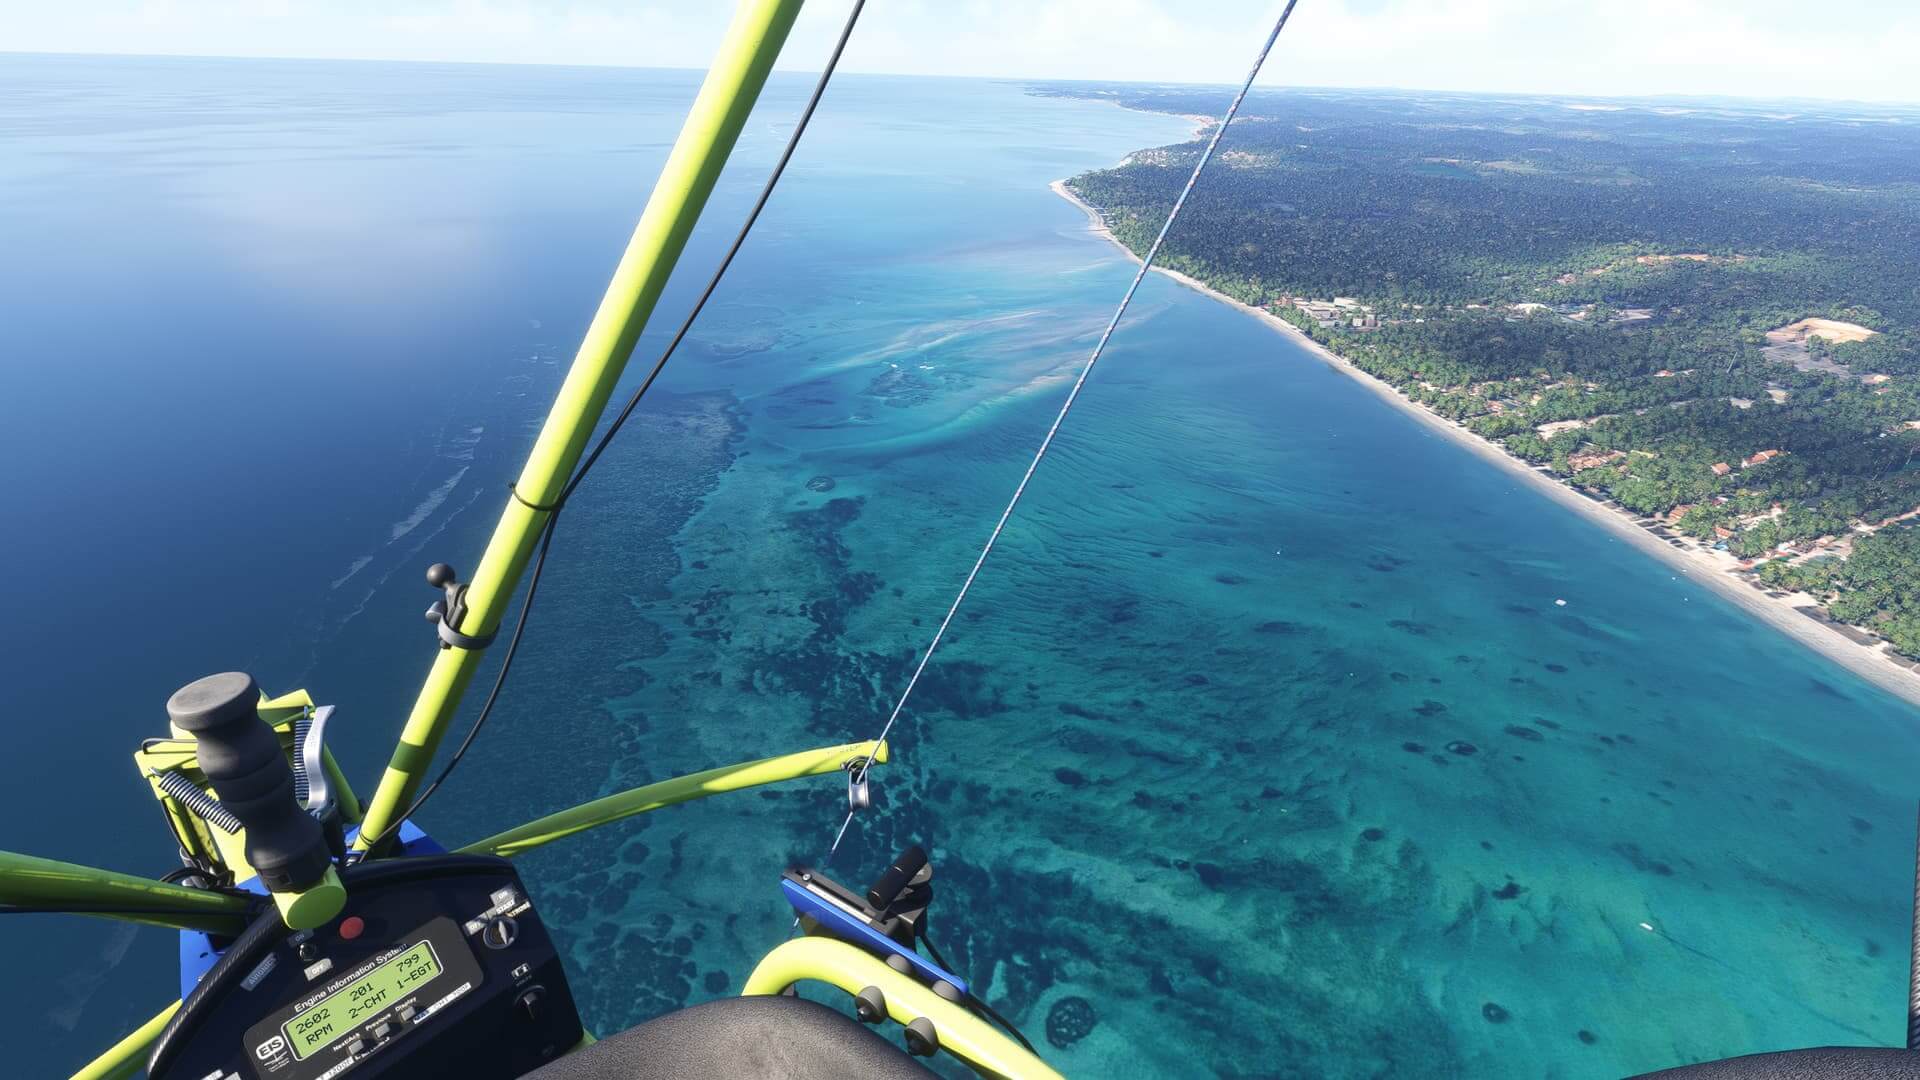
point(1711, 569)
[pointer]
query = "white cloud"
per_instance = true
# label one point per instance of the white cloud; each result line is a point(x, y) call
point(1757, 48)
point(1765, 48)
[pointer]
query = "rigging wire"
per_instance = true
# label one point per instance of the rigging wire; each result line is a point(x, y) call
point(1913, 971)
point(1073, 395)
point(633, 402)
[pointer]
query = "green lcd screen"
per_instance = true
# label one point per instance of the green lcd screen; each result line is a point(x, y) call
point(346, 1008)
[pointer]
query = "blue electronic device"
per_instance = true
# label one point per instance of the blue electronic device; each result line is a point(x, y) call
point(884, 932)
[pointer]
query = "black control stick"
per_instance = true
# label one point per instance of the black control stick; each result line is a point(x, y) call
point(241, 757)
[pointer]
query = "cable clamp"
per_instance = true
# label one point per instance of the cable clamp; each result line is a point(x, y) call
point(446, 613)
point(451, 638)
point(554, 508)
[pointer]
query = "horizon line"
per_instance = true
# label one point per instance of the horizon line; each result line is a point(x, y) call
point(1668, 96)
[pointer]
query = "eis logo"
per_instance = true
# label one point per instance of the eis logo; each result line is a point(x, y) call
point(270, 1049)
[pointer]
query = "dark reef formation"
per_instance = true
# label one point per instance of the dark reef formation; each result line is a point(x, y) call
point(1070, 1020)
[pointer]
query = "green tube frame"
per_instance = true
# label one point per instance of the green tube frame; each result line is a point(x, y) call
point(129, 1055)
point(732, 85)
point(983, 1048)
point(647, 797)
point(31, 881)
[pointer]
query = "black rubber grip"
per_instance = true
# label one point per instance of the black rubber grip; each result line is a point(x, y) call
point(896, 877)
point(242, 759)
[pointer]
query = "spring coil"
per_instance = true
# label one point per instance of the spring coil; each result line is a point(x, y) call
point(301, 725)
point(197, 802)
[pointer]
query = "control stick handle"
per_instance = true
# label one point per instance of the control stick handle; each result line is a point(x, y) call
point(241, 757)
point(888, 886)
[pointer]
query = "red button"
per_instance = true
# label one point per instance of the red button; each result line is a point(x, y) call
point(351, 927)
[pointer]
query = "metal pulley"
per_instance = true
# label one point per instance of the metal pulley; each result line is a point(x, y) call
point(859, 788)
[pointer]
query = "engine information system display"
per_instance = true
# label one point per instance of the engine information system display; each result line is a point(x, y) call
point(343, 1010)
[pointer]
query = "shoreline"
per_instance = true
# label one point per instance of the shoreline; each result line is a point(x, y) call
point(1782, 613)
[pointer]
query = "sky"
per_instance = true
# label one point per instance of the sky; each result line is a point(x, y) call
point(1847, 49)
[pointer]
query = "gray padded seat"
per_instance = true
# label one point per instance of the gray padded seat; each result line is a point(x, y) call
point(1825, 1063)
point(742, 1038)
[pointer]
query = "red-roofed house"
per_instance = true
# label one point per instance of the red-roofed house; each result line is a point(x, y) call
point(1594, 461)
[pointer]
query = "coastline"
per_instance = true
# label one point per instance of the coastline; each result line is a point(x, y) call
point(1783, 613)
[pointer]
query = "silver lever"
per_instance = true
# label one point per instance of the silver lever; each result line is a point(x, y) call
point(319, 794)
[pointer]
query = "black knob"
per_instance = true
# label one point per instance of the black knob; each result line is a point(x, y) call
point(500, 932)
point(922, 1039)
point(242, 759)
point(897, 877)
point(532, 1004)
point(214, 702)
point(440, 575)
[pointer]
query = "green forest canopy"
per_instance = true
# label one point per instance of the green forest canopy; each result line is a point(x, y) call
point(1654, 246)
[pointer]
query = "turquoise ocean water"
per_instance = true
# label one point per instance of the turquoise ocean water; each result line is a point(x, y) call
point(1262, 733)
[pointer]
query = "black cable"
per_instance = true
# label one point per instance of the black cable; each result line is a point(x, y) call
point(210, 877)
point(766, 192)
point(976, 1003)
point(633, 402)
point(992, 1014)
point(933, 950)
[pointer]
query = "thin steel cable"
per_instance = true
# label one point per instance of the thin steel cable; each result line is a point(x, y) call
point(1066, 406)
point(1913, 972)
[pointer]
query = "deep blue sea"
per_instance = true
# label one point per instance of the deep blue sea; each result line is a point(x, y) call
point(1262, 732)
